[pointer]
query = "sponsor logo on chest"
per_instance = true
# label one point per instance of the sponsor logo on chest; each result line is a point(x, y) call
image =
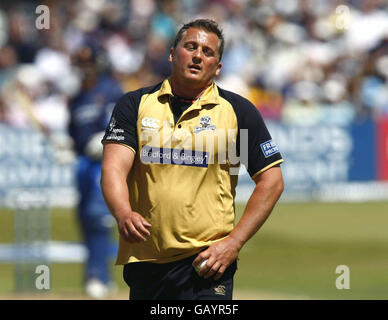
point(148, 123)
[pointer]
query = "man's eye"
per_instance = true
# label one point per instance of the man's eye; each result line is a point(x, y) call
point(208, 52)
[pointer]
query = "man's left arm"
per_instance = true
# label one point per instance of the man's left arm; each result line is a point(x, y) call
point(269, 187)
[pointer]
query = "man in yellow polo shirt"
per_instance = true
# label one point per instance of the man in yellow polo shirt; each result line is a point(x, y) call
point(171, 159)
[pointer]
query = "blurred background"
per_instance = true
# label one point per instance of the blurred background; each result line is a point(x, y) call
point(316, 69)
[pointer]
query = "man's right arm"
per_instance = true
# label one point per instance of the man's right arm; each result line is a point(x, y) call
point(116, 164)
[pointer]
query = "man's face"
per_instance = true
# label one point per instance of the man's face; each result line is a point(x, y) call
point(195, 58)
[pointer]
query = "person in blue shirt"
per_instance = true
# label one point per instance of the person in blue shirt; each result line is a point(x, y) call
point(90, 111)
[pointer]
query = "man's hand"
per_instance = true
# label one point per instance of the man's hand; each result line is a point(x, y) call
point(219, 256)
point(133, 227)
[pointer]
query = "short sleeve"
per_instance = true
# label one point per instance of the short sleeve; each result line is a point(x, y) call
point(122, 124)
point(255, 146)
point(260, 149)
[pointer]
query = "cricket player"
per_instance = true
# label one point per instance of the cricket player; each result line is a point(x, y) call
point(169, 175)
point(90, 111)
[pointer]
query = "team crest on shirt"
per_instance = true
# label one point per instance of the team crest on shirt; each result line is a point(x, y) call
point(205, 123)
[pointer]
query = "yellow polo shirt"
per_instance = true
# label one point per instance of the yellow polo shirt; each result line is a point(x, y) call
point(185, 173)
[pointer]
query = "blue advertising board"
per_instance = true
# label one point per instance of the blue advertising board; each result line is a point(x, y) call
point(321, 154)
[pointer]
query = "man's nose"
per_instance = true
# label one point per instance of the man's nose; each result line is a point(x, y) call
point(197, 56)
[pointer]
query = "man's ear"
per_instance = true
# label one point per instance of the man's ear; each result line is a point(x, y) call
point(218, 70)
point(171, 55)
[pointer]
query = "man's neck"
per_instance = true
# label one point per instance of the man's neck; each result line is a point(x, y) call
point(187, 92)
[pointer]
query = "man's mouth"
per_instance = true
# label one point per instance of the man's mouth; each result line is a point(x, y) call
point(195, 67)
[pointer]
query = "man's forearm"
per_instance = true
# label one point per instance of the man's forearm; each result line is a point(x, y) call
point(269, 186)
point(259, 207)
point(116, 165)
point(115, 192)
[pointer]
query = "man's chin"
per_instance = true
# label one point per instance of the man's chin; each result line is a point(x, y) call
point(194, 80)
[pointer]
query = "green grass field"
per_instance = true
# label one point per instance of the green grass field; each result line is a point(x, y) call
point(293, 256)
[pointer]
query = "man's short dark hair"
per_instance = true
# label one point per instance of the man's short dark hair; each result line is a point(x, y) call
point(207, 25)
